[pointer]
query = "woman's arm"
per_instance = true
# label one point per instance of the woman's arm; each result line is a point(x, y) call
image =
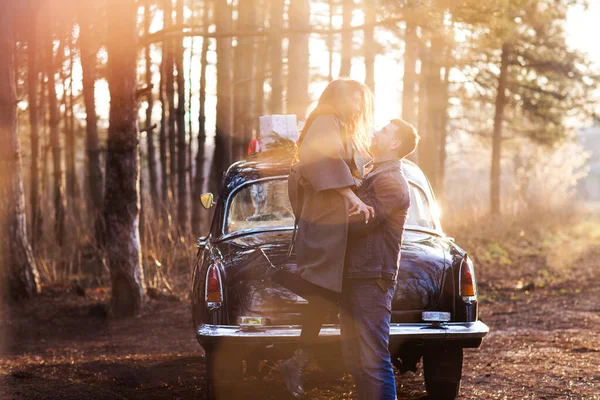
point(357, 206)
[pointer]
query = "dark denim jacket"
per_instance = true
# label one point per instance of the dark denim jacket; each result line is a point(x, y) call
point(373, 249)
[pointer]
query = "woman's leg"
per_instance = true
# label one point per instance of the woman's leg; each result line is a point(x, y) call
point(320, 303)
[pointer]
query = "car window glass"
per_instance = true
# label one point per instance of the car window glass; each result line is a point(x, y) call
point(260, 205)
point(419, 213)
point(265, 204)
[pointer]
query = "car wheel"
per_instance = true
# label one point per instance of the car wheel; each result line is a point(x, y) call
point(223, 373)
point(443, 370)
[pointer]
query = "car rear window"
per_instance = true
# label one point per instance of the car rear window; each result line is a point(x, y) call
point(265, 204)
point(262, 204)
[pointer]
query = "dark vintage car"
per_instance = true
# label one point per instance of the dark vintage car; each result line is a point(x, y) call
point(242, 320)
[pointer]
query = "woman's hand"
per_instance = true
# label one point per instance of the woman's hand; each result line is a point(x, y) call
point(356, 204)
point(359, 207)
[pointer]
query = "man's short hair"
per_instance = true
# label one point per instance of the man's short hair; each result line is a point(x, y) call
point(408, 135)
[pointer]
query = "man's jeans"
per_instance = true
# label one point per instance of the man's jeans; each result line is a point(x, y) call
point(365, 313)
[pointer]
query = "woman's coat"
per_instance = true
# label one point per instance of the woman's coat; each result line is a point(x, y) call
point(327, 161)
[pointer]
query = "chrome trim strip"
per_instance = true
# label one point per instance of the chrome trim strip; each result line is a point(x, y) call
point(448, 331)
point(410, 228)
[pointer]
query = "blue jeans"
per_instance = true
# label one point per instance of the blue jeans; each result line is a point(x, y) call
point(365, 313)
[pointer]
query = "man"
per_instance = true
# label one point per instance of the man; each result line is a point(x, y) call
point(372, 262)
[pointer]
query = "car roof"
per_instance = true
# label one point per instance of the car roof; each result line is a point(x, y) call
point(277, 162)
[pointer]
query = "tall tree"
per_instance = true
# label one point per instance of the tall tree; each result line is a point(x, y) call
point(200, 155)
point(32, 99)
point(276, 11)
point(122, 202)
point(330, 42)
point(70, 133)
point(369, 44)
point(18, 265)
point(409, 79)
point(170, 97)
point(222, 157)
point(536, 78)
point(150, 143)
point(59, 186)
point(162, 133)
point(347, 37)
point(261, 50)
point(88, 54)
point(298, 58)
point(182, 184)
point(244, 78)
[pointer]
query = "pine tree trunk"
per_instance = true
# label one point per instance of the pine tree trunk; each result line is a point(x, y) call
point(445, 99)
point(162, 134)
point(70, 134)
point(276, 57)
point(298, 58)
point(330, 42)
point(182, 187)
point(95, 181)
point(260, 56)
point(259, 95)
point(244, 79)
point(18, 265)
point(170, 96)
point(150, 99)
point(197, 220)
point(436, 111)
point(409, 91)
point(122, 166)
point(411, 49)
point(370, 45)
point(34, 176)
point(190, 147)
point(497, 136)
point(222, 157)
point(346, 56)
point(423, 108)
point(59, 186)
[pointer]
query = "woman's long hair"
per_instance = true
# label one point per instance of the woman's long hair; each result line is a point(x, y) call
point(336, 99)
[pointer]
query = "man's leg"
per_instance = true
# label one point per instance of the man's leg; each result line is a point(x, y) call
point(349, 339)
point(372, 310)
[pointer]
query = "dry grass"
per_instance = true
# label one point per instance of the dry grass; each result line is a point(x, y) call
point(167, 255)
point(535, 250)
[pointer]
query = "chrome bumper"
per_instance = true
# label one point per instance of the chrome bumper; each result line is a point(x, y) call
point(290, 333)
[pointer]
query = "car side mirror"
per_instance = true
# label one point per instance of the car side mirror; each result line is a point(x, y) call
point(207, 200)
point(202, 240)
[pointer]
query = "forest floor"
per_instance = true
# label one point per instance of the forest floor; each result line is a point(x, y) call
point(539, 295)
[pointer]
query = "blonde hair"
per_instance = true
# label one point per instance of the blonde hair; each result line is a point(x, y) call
point(336, 100)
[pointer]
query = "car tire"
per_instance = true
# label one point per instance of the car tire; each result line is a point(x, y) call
point(442, 368)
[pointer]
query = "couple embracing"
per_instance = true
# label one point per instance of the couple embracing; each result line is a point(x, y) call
point(351, 201)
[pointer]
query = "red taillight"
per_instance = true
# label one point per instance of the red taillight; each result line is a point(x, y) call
point(214, 289)
point(468, 286)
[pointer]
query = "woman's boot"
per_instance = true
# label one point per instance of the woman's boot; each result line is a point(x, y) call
point(292, 371)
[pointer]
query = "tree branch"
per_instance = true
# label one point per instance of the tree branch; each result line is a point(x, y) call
point(198, 30)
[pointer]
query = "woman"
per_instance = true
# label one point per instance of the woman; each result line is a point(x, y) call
point(330, 162)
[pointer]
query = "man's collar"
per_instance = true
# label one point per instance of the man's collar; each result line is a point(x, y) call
point(384, 166)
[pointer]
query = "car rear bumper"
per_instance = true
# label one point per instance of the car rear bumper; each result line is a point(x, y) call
point(465, 334)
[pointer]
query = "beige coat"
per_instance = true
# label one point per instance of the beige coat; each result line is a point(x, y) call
point(327, 161)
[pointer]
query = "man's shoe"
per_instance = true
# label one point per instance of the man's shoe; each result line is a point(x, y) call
point(292, 372)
